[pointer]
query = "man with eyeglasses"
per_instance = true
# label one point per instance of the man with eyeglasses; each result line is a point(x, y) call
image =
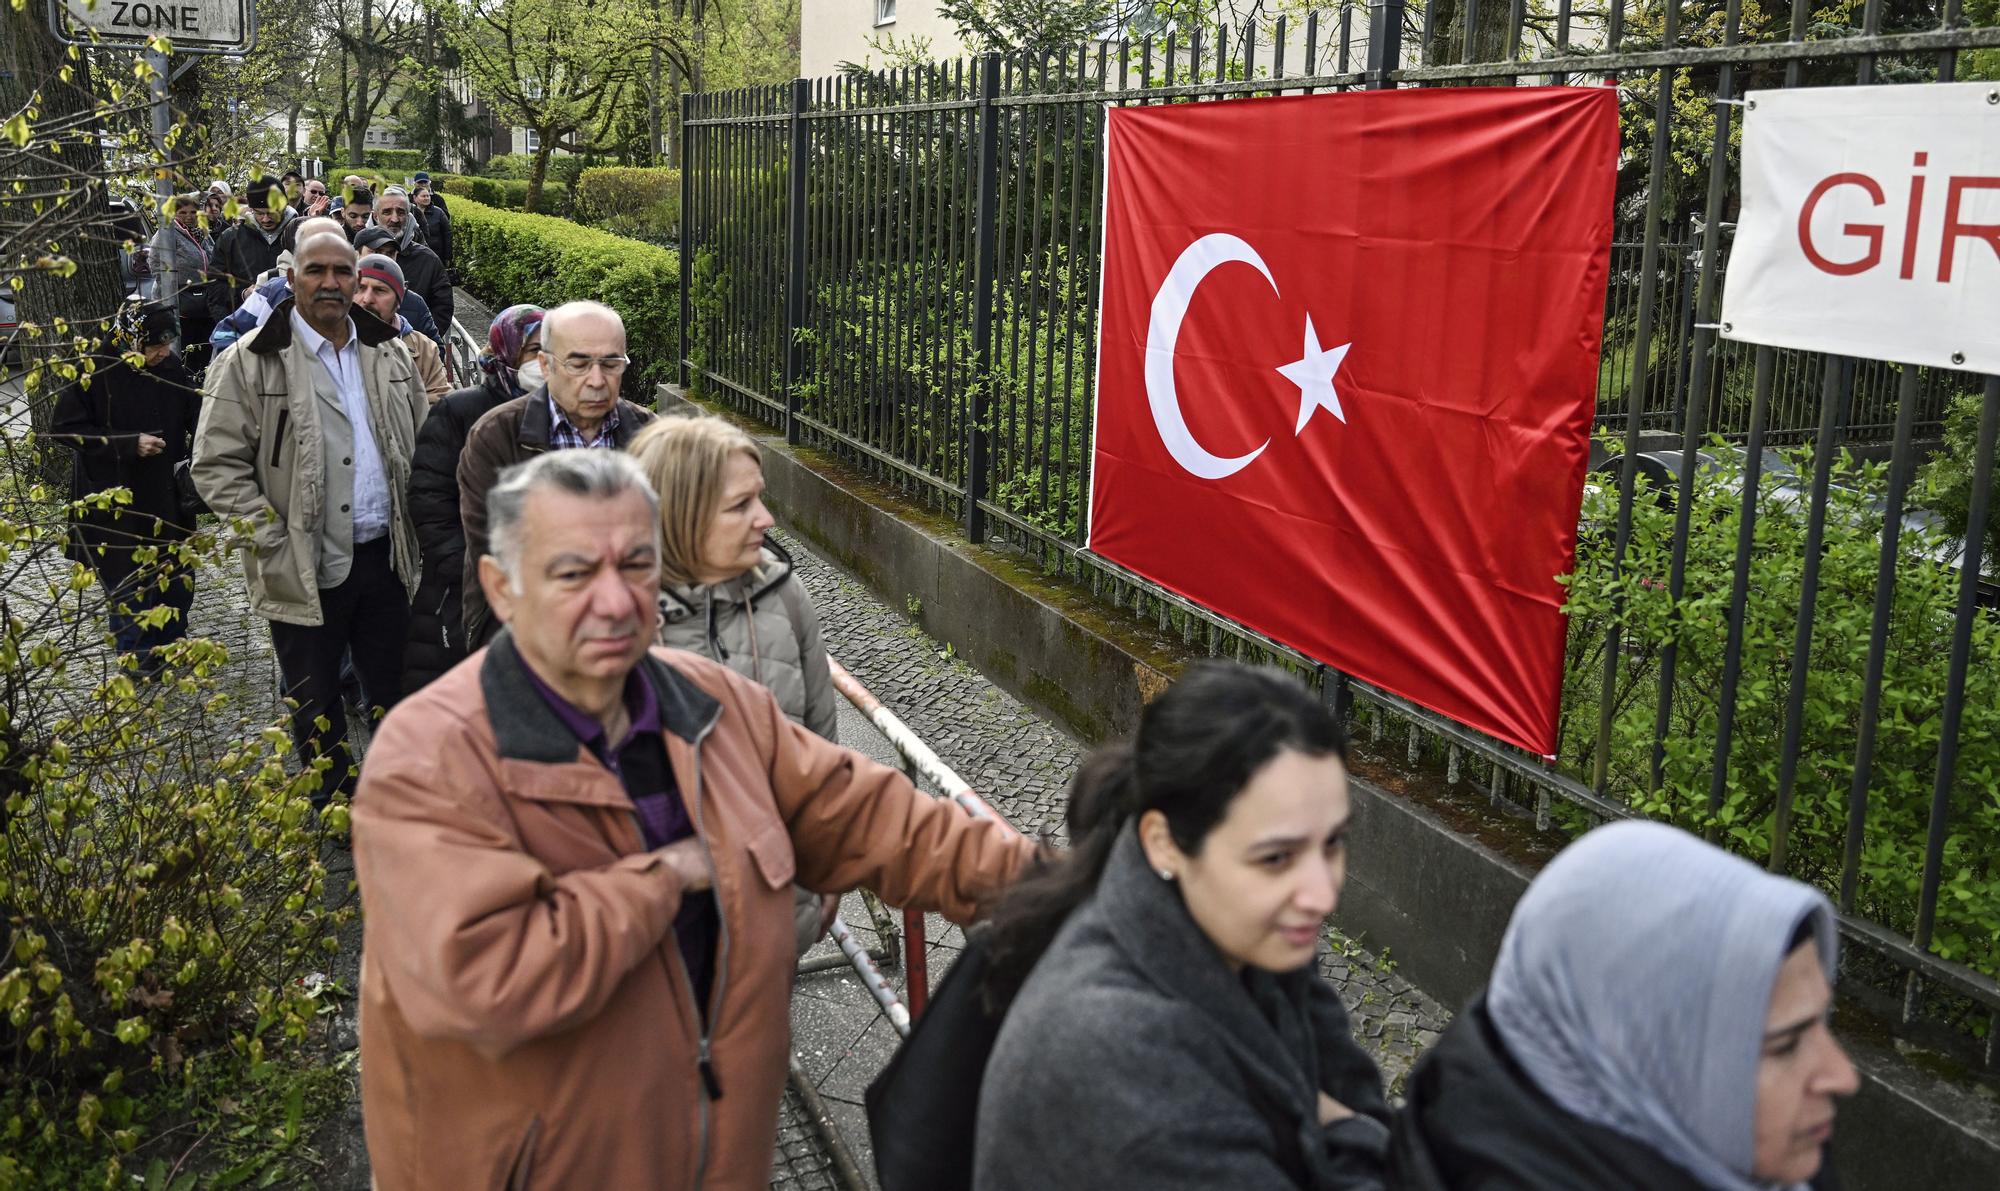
point(312, 199)
point(583, 362)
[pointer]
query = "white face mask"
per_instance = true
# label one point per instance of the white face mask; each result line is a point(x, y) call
point(530, 375)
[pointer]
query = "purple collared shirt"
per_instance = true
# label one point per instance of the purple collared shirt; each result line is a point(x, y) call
point(639, 762)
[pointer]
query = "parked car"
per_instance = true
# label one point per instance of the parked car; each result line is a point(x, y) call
point(132, 229)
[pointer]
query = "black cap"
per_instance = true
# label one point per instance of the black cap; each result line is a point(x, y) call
point(421, 176)
point(370, 238)
point(147, 323)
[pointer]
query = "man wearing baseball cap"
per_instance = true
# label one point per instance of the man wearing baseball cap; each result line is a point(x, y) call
point(380, 291)
point(380, 241)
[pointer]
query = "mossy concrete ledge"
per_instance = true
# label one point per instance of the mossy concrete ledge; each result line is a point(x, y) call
point(1433, 894)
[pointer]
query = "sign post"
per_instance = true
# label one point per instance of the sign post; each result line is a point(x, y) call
point(1871, 224)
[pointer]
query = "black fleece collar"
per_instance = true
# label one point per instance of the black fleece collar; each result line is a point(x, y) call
point(276, 333)
point(528, 729)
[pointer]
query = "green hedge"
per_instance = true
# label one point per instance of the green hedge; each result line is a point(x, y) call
point(395, 161)
point(508, 257)
point(509, 194)
point(644, 204)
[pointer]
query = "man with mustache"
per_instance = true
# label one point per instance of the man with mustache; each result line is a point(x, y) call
point(572, 401)
point(305, 442)
point(420, 265)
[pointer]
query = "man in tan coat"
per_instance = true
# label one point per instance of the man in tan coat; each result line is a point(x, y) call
point(576, 857)
point(305, 442)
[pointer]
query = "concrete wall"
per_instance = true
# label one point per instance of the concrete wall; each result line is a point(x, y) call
point(1436, 897)
point(835, 31)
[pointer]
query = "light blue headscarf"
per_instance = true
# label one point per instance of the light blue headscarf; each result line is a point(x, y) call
point(1634, 983)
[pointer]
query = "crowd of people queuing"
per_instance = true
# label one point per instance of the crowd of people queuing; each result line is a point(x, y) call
point(605, 810)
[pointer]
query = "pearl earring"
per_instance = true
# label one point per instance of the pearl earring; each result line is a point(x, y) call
point(1164, 874)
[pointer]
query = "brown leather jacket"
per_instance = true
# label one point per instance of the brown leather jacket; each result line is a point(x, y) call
point(526, 1017)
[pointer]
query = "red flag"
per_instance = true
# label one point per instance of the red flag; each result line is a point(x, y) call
point(1346, 374)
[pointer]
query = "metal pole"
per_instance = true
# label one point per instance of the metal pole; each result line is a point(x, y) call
point(163, 182)
point(985, 264)
point(795, 265)
point(1385, 43)
point(687, 237)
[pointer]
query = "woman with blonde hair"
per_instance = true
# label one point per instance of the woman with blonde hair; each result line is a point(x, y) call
point(728, 592)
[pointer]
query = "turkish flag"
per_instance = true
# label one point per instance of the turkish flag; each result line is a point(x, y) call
point(1346, 374)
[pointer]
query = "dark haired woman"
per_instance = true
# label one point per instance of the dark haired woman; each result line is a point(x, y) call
point(1656, 1021)
point(1170, 1029)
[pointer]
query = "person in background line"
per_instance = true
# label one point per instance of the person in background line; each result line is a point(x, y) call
point(331, 560)
point(180, 256)
point(438, 200)
point(293, 183)
point(436, 223)
point(727, 592)
point(422, 266)
point(129, 426)
point(356, 213)
point(583, 354)
point(1171, 1030)
point(1656, 1021)
point(510, 366)
point(270, 293)
point(380, 291)
point(250, 247)
point(214, 205)
point(313, 199)
point(577, 853)
point(382, 242)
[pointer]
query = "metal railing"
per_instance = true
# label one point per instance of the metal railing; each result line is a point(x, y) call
point(900, 268)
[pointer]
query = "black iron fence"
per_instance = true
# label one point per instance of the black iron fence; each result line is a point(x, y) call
point(1791, 651)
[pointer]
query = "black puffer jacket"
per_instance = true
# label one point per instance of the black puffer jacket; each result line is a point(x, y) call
point(1474, 1119)
point(426, 276)
point(437, 622)
point(243, 253)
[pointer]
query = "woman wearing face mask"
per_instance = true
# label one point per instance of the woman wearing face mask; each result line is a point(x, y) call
point(728, 593)
point(512, 366)
point(1656, 1021)
point(1171, 1029)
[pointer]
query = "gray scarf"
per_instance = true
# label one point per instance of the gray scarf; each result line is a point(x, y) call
point(1633, 985)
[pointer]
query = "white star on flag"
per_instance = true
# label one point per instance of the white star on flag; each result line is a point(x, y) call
point(1314, 376)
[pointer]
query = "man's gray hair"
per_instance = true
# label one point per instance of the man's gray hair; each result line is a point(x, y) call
point(597, 473)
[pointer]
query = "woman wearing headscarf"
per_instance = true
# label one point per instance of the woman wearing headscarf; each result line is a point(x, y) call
point(727, 592)
point(129, 425)
point(511, 366)
point(1166, 1024)
point(1657, 1020)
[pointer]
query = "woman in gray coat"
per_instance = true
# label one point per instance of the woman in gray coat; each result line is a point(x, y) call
point(727, 592)
point(1166, 1027)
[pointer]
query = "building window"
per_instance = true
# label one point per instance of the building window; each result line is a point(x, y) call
point(533, 141)
point(885, 12)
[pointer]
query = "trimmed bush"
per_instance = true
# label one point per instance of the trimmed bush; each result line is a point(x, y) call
point(395, 161)
point(644, 204)
point(508, 194)
point(508, 257)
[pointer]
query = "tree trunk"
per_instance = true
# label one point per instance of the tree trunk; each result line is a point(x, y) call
point(545, 137)
point(88, 298)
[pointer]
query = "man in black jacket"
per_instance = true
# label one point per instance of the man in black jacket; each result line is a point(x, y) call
point(424, 271)
point(249, 248)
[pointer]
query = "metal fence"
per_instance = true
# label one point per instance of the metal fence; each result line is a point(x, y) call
point(900, 268)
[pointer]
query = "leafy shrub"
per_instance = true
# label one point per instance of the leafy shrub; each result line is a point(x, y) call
point(1912, 693)
point(395, 161)
point(508, 257)
point(628, 201)
point(516, 166)
point(1949, 477)
point(519, 167)
point(159, 868)
point(508, 194)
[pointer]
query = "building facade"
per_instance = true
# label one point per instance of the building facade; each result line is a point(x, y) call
point(833, 32)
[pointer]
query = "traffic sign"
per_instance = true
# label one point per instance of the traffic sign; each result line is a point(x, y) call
point(193, 26)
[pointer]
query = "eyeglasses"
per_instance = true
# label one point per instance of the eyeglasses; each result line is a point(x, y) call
point(581, 365)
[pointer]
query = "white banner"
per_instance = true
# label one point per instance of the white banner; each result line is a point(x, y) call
point(1871, 224)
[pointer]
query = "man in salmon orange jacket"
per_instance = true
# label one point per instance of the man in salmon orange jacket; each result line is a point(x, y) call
point(576, 855)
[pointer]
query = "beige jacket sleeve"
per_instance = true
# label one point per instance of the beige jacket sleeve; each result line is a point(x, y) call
point(481, 943)
point(227, 438)
point(854, 822)
point(430, 366)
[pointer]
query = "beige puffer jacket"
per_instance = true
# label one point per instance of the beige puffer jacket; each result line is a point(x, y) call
point(760, 625)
